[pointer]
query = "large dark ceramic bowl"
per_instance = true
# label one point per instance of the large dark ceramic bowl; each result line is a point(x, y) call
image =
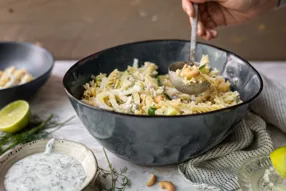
point(160, 140)
point(36, 60)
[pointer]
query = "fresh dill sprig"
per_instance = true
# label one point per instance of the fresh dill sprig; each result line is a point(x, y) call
point(119, 181)
point(36, 129)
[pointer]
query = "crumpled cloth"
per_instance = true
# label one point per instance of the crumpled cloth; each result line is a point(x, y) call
point(216, 170)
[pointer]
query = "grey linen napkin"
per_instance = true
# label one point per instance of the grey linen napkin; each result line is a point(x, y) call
point(217, 169)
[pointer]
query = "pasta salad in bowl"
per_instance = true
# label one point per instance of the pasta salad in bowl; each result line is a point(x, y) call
point(141, 91)
point(124, 98)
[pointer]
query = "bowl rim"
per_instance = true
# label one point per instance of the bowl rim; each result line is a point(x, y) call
point(5, 156)
point(28, 44)
point(79, 62)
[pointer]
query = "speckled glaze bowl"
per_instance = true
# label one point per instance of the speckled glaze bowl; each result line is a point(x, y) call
point(76, 150)
point(160, 140)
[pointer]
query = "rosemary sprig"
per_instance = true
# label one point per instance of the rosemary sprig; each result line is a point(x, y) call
point(36, 129)
point(119, 181)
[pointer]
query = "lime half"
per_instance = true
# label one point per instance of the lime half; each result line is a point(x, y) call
point(278, 159)
point(15, 116)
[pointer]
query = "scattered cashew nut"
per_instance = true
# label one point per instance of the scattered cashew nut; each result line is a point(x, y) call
point(151, 181)
point(169, 186)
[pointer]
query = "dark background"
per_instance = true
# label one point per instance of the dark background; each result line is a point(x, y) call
point(72, 29)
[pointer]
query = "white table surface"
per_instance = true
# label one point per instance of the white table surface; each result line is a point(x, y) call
point(52, 99)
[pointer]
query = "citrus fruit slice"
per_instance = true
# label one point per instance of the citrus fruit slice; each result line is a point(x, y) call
point(278, 159)
point(15, 116)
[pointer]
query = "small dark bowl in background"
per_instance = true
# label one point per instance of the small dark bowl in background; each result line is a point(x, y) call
point(160, 140)
point(35, 59)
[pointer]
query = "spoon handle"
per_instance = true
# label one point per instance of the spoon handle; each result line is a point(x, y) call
point(194, 35)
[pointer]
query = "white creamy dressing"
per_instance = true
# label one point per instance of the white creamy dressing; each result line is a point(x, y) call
point(46, 171)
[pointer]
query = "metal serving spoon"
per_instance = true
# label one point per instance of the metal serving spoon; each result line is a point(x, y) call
point(193, 88)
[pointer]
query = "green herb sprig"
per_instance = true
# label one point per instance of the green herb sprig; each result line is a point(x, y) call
point(36, 129)
point(119, 181)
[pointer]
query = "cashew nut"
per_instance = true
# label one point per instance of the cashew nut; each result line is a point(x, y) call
point(169, 186)
point(187, 72)
point(151, 181)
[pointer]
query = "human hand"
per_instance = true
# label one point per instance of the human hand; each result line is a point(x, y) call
point(215, 13)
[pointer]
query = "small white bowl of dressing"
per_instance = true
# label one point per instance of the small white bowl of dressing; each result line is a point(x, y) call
point(48, 165)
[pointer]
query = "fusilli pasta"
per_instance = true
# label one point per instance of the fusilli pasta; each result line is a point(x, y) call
point(141, 91)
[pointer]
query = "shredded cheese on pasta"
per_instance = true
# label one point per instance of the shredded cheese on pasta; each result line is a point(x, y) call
point(141, 91)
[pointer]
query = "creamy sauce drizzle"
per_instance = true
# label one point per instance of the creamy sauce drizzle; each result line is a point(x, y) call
point(46, 171)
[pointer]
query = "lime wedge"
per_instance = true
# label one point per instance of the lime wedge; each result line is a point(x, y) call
point(278, 159)
point(15, 116)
